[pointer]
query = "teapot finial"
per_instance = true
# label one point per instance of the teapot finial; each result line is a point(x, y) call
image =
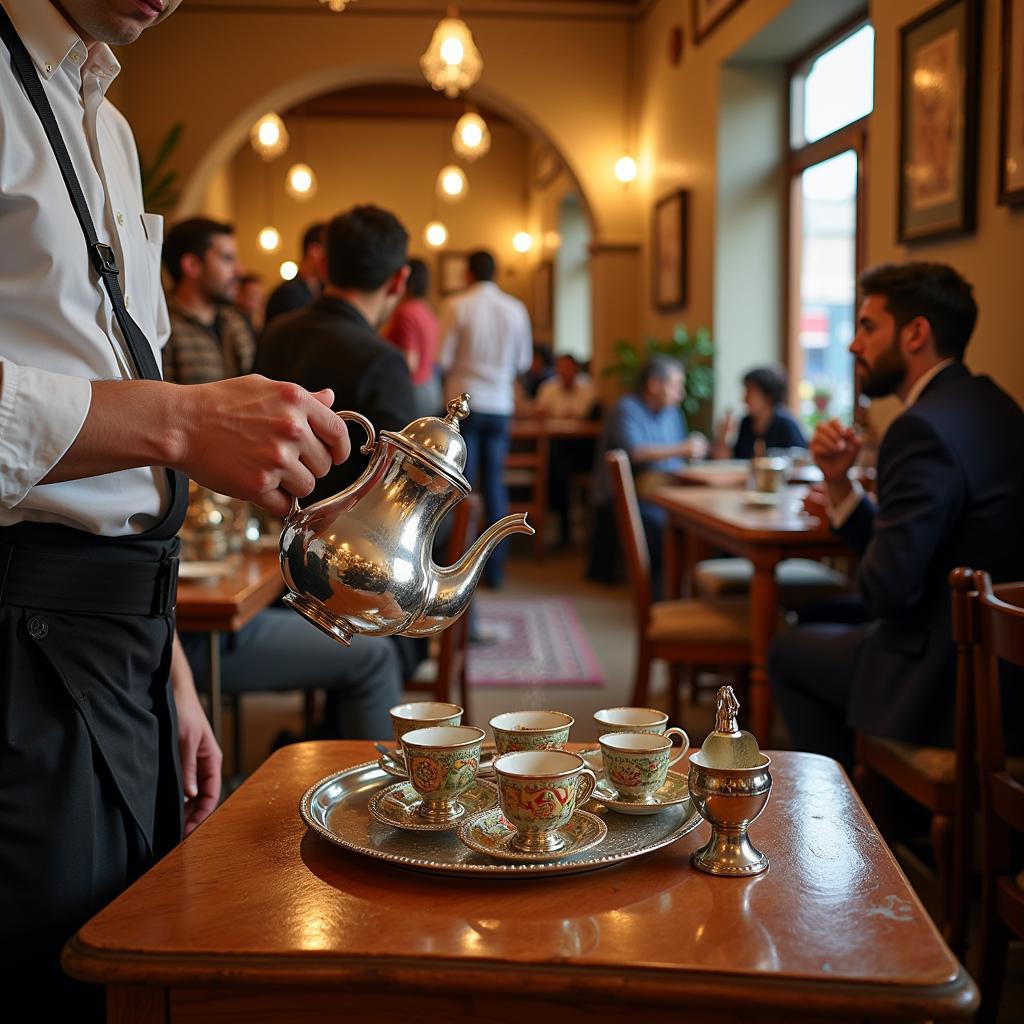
point(726, 706)
point(458, 409)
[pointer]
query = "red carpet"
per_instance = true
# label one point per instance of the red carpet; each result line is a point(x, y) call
point(538, 641)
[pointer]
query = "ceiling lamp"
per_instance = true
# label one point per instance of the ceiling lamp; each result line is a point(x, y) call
point(269, 239)
point(452, 184)
point(625, 169)
point(301, 182)
point(471, 138)
point(522, 241)
point(269, 137)
point(452, 61)
point(289, 269)
point(337, 5)
point(435, 234)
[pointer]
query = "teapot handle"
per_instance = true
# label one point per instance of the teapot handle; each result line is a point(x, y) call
point(371, 441)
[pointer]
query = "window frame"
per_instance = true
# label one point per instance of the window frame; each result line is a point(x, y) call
point(852, 136)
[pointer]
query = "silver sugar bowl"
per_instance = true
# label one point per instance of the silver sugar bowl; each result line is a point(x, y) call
point(730, 783)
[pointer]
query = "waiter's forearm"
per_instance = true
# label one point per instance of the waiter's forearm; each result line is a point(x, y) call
point(130, 423)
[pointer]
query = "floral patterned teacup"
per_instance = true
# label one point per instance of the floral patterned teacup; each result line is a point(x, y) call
point(531, 730)
point(637, 763)
point(633, 720)
point(423, 714)
point(442, 763)
point(538, 791)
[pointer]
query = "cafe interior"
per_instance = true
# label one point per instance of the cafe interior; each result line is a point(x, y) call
point(702, 180)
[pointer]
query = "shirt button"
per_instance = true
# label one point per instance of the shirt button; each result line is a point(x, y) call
point(120, 218)
point(38, 627)
point(74, 56)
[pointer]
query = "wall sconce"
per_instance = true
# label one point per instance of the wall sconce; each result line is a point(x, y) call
point(522, 241)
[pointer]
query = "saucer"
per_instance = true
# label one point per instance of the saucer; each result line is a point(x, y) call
point(594, 760)
point(489, 833)
point(393, 762)
point(675, 791)
point(397, 805)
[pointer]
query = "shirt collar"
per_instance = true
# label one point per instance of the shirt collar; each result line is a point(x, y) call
point(924, 380)
point(51, 41)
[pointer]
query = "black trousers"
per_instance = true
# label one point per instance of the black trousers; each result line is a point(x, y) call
point(90, 789)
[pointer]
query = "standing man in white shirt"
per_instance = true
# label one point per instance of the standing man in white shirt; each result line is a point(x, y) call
point(486, 343)
point(105, 753)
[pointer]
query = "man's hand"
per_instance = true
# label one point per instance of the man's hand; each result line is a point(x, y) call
point(835, 449)
point(695, 446)
point(200, 756)
point(259, 439)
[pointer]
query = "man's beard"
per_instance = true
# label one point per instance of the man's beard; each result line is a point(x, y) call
point(884, 377)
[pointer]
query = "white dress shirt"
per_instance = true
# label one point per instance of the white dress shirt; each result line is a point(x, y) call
point(573, 403)
point(57, 327)
point(838, 514)
point(486, 342)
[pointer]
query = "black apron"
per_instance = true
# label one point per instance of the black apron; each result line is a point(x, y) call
point(90, 790)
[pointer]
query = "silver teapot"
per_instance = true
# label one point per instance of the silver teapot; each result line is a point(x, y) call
point(360, 562)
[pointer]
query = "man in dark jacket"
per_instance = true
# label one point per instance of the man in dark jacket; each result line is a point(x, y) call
point(336, 335)
point(307, 284)
point(950, 490)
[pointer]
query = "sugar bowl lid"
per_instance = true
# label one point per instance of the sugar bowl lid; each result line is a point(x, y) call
point(729, 746)
point(441, 438)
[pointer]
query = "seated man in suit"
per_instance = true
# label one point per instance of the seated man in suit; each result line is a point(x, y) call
point(950, 493)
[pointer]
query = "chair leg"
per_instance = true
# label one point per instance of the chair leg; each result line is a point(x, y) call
point(237, 735)
point(991, 969)
point(941, 835)
point(642, 681)
point(678, 676)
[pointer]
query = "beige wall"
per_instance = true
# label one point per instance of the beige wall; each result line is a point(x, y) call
point(390, 163)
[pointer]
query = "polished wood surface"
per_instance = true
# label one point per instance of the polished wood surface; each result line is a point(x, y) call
point(704, 519)
point(253, 918)
point(228, 603)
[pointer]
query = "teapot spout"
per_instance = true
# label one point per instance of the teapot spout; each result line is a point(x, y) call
point(453, 586)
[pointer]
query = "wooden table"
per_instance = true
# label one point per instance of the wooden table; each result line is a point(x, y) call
point(733, 473)
point(702, 518)
point(225, 605)
point(253, 919)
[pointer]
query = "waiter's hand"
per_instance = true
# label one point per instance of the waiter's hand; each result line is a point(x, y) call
point(200, 756)
point(260, 440)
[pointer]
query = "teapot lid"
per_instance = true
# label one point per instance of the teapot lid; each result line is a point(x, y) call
point(441, 437)
point(729, 746)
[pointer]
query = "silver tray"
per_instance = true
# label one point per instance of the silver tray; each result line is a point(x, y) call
point(335, 808)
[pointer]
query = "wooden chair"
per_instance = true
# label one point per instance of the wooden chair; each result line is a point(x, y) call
point(701, 631)
point(453, 643)
point(802, 581)
point(999, 636)
point(526, 477)
point(940, 779)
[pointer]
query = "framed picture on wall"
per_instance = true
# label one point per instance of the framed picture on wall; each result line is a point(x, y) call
point(451, 272)
point(1011, 114)
point(707, 14)
point(668, 251)
point(544, 299)
point(939, 121)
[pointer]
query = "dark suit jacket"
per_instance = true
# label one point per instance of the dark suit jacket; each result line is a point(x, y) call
point(287, 297)
point(950, 493)
point(330, 345)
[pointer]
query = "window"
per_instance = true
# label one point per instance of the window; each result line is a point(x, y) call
point(830, 103)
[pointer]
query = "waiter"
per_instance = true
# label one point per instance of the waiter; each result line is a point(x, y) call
point(105, 753)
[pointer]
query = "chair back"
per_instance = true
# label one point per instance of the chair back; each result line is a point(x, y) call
point(631, 531)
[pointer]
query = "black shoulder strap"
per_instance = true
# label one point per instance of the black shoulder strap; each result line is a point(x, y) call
point(100, 255)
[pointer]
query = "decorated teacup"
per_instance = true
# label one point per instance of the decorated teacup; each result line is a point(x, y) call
point(636, 764)
point(538, 791)
point(423, 714)
point(531, 730)
point(633, 720)
point(442, 763)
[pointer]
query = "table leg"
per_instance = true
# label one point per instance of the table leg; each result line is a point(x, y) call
point(671, 555)
point(216, 702)
point(764, 610)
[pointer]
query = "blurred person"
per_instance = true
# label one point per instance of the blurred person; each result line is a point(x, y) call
point(767, 422)
point(210, 339)
point(415, 329)
point(106, 756)
point(251, 301)
point(950, 491)
point(650, 427)
point(486, 343)
point(307, 284)
point(541, 369)
point(570, 394)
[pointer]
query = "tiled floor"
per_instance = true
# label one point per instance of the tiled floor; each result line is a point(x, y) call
point(607, 616)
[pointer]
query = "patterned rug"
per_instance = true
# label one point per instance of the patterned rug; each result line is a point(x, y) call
point(539, 641)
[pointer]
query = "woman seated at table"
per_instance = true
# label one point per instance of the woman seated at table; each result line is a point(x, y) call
point(767, 420)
